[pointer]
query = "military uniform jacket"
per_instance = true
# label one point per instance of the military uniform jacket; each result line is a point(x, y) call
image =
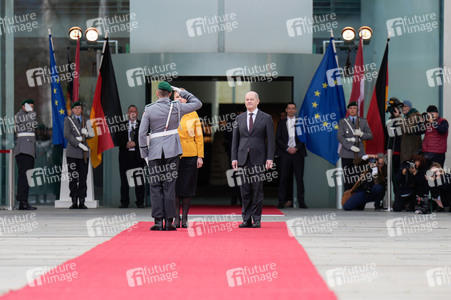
point(71, 133)
point(25, 123)
point(345, 132)
point(154, 120)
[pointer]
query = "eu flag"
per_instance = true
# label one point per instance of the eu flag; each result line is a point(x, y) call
point(323, 107)
point(58, 103)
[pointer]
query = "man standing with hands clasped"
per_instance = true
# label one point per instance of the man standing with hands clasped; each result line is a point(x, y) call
point(163, 150)
point(250, 152)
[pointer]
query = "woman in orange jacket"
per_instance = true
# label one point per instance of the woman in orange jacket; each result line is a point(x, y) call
point(192, 140)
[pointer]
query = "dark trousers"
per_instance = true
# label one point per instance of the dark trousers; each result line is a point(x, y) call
point(78, 170)
point(252, 192)
point(25, 162)
point(401, 202)
point(129, 160)
point(290, 163)
point(359, 199)
point(162, 179)
point(348, 164)
point(435, 157)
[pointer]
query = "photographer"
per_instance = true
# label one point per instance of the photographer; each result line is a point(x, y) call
point(372, 183)
point(439, 183)
point(411, 182)
point(411, 133)
point(435, 137)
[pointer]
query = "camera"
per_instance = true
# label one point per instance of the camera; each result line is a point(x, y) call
point(427, 117)
point(372, 160)
point(409, 164)
point(394, 103)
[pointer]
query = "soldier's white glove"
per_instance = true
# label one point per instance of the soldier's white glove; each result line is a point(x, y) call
point(84, 131)
point(176, 89)
point(358, 132)
point(355, 149)
point(79, 138)
point(83, 147)
point(365, 157)
point(28, 107)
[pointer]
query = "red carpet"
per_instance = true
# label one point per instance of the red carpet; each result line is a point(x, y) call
point(228, 209)
point(205, 261)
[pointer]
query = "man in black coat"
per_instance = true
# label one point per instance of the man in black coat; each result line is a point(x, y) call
point(253, 152)
point(291, 156)
point(130, 158)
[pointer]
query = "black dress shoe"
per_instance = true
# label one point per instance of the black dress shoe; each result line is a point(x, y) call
point(123, 206)
point(74, 204)
point(281, 205)
point(303, 205)
point(256, 224)
point(158, 224)
point(140, 206)
point(245, 224)
point(27, 207)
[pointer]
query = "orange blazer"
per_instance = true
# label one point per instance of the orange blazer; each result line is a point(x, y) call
point(191, 136)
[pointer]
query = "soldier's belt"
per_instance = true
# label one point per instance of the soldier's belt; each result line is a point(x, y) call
point(25, 134)
point(163, 133)
point(350, 139)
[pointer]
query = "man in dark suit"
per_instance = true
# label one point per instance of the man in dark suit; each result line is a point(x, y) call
point(130, 157)
point(291, 155)
point(252, 151)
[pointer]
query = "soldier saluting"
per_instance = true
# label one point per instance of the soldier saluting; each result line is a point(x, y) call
point(25, 150)
point(77, 152)
point(162, 153)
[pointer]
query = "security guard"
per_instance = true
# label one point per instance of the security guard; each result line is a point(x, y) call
point(163, 150)
point(77, 154)
point(25, 150)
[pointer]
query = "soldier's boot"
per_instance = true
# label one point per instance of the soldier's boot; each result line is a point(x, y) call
point(158, 224)
point(74, 203)
point(82, 205)
point(168, 225)
point(24, 205)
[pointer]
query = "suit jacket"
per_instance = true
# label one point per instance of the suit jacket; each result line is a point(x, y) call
point(71, 133)
point(122, 138)
point(154, 118)
point(252, 144)
point(345, 132)
point(25, 122)
point(282, 139)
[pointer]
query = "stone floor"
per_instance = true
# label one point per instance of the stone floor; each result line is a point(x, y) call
point(360, 255)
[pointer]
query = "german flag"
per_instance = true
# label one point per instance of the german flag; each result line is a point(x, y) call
point(376, 112)
point(106, 109)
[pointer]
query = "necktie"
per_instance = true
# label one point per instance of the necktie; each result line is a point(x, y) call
point(78, 119)
point(353, 121)
point(132, 131)
point(251, 121)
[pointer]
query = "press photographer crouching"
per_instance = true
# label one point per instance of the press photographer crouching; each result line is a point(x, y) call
point(439, 183)
point(371, 185)
point(411, 183)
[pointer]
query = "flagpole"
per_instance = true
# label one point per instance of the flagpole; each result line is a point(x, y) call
point(389, 158)
point(338, 165)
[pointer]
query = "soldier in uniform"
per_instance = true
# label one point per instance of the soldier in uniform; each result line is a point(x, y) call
point(163, 150)
point(77, 155)
point(25, 150)
point(352, 131)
